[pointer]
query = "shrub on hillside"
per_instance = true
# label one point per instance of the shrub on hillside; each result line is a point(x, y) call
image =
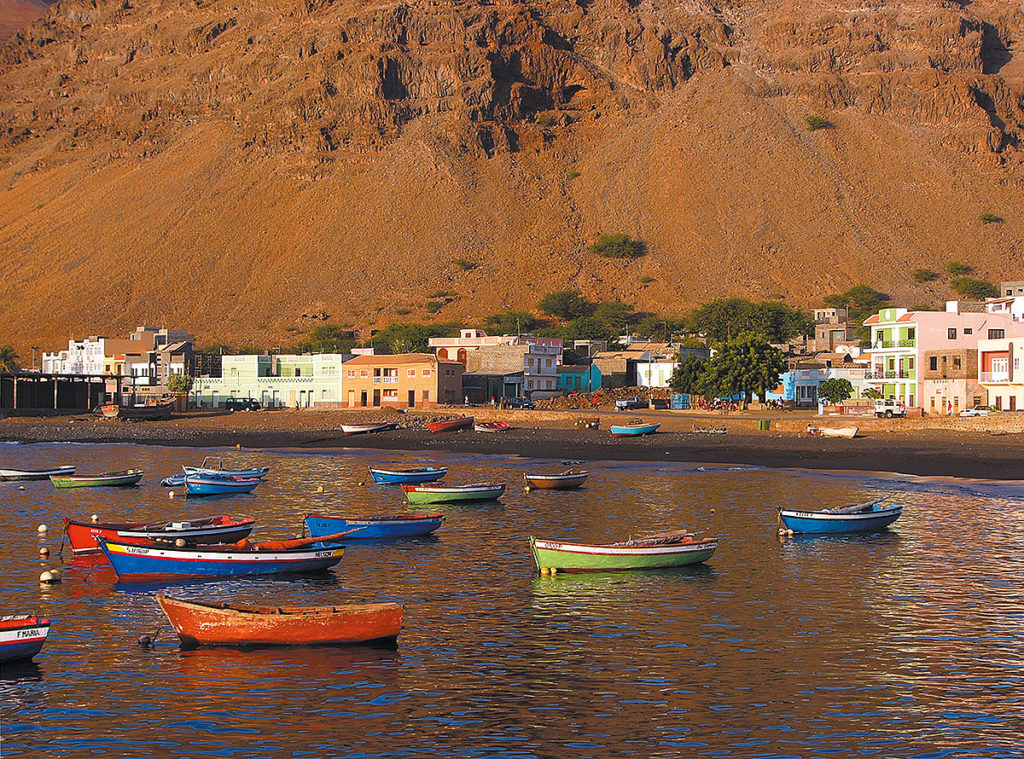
point(815, 122)
point(925, 275)
point(958, 268)
point(989, 218)
point(566, 304)
point(617, 245)
point(975, 289)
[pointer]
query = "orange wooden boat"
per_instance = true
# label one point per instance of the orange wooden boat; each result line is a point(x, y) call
point(220, 624)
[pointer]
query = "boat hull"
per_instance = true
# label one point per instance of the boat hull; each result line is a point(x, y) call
point(363, 429)
point(427, 495)
point(840, 432)
point(384, 528)
point(120, 480)
point(408, 476)
point(245, 474)
point(220, 529)
point(633, 430)
point(209, 625)
point(492, 427)
point(22, 636)
point(22, 475)
point(819, 523)
point(578, 557)
point(148, 411)
point(454, 425)
point(556, 481)
point(137, 563)
point(198, 485)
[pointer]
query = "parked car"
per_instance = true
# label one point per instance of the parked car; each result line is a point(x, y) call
point(242, 404)
point(977, 411)
point(890, 407)
point(632, 403)
point(521, 403)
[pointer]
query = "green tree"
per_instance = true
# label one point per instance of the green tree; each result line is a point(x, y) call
point(566, 304)
point(412, 338)
point(587, 328)
point(835, 390)
point(860, 302)
point(617, 245)
point(725, 318)
point(686, 377)
point(616, 315)
point(8, 359)
point(328, 338)
point(510, 322)
point(656, 329)
point(746, 364)
point(975, 289)
point(180, 384)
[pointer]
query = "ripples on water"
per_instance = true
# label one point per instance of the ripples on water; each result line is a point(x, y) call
point(906, 643)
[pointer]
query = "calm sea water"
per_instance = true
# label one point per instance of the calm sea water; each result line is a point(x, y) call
point(908, 643)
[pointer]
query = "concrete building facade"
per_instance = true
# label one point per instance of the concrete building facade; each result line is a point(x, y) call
point(403, 380)
point(1001, 372)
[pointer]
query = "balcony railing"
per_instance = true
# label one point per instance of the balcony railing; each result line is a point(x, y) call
point(385, 380)
point(877, 375)
point(995, 376)
point(882, 344)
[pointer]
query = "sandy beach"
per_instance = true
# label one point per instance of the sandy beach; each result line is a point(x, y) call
point(990, 448)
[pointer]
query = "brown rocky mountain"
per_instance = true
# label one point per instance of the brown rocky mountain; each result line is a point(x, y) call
point(17, 14)
point(227, 166)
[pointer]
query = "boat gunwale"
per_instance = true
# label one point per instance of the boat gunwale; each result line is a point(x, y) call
point(826, 516)
point(609, 549)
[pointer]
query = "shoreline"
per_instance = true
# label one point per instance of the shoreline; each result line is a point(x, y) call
point(920, 452)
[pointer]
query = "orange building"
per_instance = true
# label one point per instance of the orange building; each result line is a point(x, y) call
point(404, 380)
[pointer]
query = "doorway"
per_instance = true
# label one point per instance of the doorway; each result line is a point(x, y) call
point(412, 398)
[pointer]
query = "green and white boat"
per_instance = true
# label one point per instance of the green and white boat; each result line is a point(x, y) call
point(669, 549)
point(477, 491)
point(107, 479)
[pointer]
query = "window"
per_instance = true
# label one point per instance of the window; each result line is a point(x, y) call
point(298, 372)
point(390, 394)
point(351, 372)
point(911, 333)
point(910, 363)
point(996, 334)
point(364, 372)
point(951, 333)
point(426, 393)
point(957, 362)
point(411, 373)
point(968, 330)
point(426, 373)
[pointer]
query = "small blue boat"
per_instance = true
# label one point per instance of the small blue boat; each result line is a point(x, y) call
point(861, 517)
point(374, 528)
point(198, 484)
point(633, 430)
point(213, 466)
point(411, 476)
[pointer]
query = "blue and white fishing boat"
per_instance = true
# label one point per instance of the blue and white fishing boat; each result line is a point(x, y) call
point(139, 563)
point(213, 466)
point(410, 476)
point(860, 517)
point(22, 636)
point(374, 528)
point(200, 484)
point(634, 429)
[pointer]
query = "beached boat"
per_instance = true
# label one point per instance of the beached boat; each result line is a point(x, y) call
point(477, 491)
point(15, 475)
point(670, 549)
point(132, 562)
point(108, 479)
point(633, 429)
point(452, 425)
point(412, 476)
point(205, 531)
point(858, 517)
point(22, 636)
point(374, 528)
point(563, 481)
point(362, 429)
point(843, 432)
point(149, 410)
point(220, 624)
point(492, 427)
point(202, 484)
point(214, 467)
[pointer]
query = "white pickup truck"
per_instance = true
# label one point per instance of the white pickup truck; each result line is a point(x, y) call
point(890, 407)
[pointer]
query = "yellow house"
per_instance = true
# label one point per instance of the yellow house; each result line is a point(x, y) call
point(404, 380)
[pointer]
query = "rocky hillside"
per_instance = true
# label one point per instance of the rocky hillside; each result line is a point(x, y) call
point(17, 14)
point(232, 166)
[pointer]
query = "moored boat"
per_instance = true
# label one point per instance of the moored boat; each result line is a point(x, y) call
point(205, 531)
point(634, 429)
point(201, 484)
point(563, 481)
point(133, 562)
point(492, 427)
point(121, 479)
point(860, 517)
point(670, 549)
point(362, 429)
point(213, 466)
point(452, 425)
point(150, 410)
point(398, 476)
point(22, 636)
point(477, 491)
point(221, 624)
point(15, 475)
point(374, 528)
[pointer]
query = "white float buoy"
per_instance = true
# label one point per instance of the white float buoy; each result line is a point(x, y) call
point(44, 551)
point(170, 494)
point(21, 487)
point(57, 575)
point(554, 570)
point(41, 529)
point(49, 577)
point(180, 542)
point(545, 570)
point(95, 518)
point(320, 489)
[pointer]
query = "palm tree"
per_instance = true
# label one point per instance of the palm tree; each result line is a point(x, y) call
point(8, 359)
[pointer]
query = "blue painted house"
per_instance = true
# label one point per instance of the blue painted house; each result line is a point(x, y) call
point(582, 379)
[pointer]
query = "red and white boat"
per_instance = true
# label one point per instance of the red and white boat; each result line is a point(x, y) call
point(362, 429)
point(206, 531)
point(22, 636)
point(492, 426)
point(452, 425)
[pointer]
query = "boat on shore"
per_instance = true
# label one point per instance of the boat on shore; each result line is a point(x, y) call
point(200, 623)
point(841, 432)
point(374, 528)
point(205, 531)
point(452, 425)
point(634, 429)
point(139, 563)
point(204, 484)
point(492, 427)
point(150, 410)
point(412, 476)
point(213, 466)
point(122, 479)
point(669, 549)
point(477, 491)
point(869, 516)
point(564, 481)
point(20, 475)
point(22, 636)
point(363, 429)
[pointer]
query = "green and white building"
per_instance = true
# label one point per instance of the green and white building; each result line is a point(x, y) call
point(280, 381)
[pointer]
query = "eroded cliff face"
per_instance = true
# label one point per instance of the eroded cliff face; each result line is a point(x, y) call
point(457, 124)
